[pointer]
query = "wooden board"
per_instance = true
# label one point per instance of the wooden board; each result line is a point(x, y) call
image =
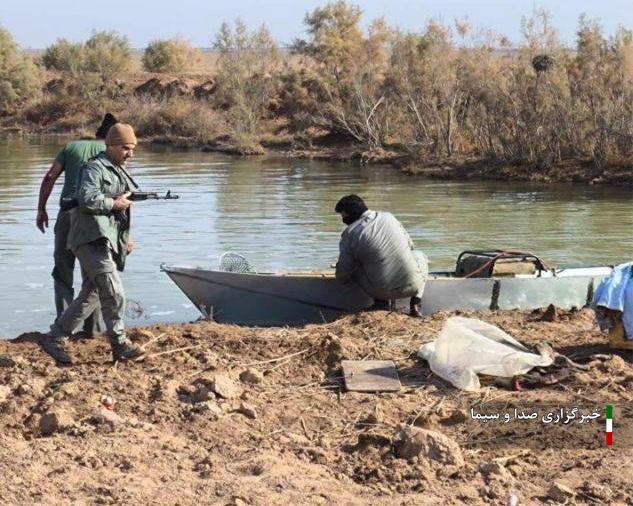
point(370, 375)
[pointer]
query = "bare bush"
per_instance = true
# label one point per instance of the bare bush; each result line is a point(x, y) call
point(345, 85)
point(427, 78)
point(79, 100)
point(174, 117)
point(247, 76)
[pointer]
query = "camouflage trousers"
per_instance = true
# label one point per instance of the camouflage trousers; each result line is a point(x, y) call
point(101, 286)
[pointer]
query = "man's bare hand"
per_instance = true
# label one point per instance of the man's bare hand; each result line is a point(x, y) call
point(121, 203)
point(42, 220)
point(130, 245)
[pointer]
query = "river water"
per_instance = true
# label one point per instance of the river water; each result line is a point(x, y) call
point(279, 215)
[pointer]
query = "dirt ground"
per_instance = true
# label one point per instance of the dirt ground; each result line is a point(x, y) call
point(220, 414)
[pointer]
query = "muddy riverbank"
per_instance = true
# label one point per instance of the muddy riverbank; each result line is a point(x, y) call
point(327, 148)
point(220, 414)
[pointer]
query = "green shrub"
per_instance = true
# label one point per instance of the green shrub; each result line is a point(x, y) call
point(19, 77)
point(64, 56)
point(107, 53)
point(170, 55)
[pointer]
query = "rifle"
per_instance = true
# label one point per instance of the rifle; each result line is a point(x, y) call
point(136, 196)
point(68, 203)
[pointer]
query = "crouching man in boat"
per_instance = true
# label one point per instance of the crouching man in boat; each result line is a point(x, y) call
point(99, 238)
point(376, 253)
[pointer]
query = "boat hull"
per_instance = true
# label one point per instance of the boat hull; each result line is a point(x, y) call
point(269, 299)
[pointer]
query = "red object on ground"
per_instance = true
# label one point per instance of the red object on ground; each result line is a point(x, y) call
point(107, 402)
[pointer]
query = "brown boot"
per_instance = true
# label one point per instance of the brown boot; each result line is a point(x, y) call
point(617, 339)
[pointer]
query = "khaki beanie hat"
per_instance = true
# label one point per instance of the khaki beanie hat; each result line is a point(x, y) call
point(120, 133)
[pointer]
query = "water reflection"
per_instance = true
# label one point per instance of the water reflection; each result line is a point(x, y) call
point(279, 214)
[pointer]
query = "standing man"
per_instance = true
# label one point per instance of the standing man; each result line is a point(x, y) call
point(376, 253)
point(70, 160)
point(99, 238)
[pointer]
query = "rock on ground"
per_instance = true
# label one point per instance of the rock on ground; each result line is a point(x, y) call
point(225, 387)
point(251, 376)
point(55, 421)
point(5, 393)
point(247, 410)
point(560, 492)
point(106, 418)
point(413, 442)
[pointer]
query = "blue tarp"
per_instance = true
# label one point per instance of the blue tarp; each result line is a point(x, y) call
point(616, 292)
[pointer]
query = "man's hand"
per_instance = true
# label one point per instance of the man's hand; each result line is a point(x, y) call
point(121, 203)
point(45, 191)
point(130, 245)
point(42, 220)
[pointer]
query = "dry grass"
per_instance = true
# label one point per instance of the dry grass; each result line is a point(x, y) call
point(175, 117)
point(441, 94)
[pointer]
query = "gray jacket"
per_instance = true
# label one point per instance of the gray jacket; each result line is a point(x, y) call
point(101, 181)
point(376, 253)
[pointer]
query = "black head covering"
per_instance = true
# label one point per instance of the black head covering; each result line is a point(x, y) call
point(353, 206)
point(108, 121)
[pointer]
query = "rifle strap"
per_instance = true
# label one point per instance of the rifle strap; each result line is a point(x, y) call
point(127, 174)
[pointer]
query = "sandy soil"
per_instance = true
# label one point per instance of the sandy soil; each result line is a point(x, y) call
point(190, 426)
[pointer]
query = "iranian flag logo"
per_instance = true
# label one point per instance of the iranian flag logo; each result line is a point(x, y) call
point(609, 419)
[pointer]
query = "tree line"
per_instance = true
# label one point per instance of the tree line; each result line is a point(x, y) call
point(443, 92)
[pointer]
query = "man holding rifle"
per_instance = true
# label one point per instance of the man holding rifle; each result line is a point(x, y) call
point(69, 161)
point(100, 239)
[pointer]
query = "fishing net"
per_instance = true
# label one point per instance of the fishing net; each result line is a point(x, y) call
point(232, 262)
point(134, 310)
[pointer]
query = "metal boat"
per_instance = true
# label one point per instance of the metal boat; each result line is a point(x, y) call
point(300, 298)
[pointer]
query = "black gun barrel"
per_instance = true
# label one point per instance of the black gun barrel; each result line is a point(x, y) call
point(68, 203)
point(135, 196)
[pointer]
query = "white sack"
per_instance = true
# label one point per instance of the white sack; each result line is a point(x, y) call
point(467, 346)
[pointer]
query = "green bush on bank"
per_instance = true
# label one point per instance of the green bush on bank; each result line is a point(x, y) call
point(170, 55)
point(19, 77)
point(64, 56)
point(106, 53)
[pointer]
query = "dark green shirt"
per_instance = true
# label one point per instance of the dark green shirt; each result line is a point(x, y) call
point(72, 158)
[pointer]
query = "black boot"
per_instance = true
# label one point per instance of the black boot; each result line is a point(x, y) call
point(379, 305)
point(55, 348)
point(124, 349)
point(414, 307)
